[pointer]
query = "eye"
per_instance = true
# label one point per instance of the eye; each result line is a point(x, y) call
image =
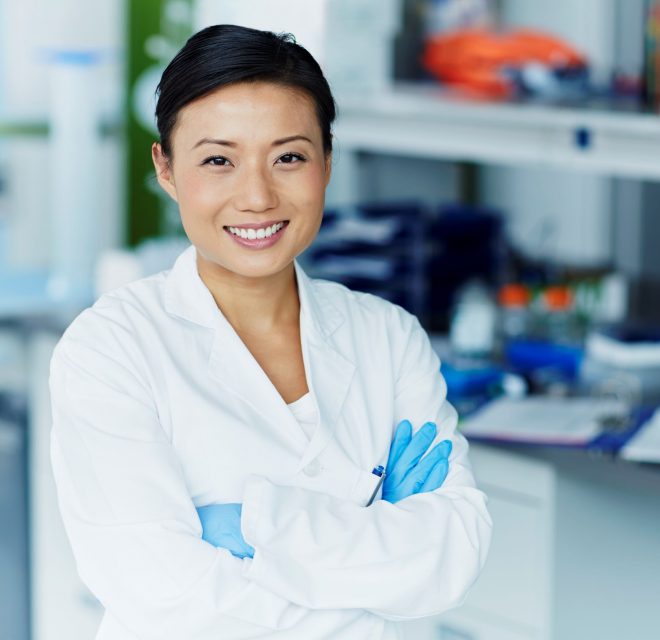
point(291, 158)
point(217, 161)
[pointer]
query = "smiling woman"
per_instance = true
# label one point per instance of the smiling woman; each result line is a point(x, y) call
point(233, 442)
point(248, 156)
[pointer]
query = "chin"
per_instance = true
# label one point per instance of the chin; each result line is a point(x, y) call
point(257, 266)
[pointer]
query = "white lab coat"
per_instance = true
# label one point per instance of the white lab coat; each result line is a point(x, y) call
point(159, 407)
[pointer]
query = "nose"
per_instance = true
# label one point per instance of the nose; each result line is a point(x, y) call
point(256, 193)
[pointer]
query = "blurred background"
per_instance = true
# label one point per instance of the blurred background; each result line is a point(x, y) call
point(496, 172)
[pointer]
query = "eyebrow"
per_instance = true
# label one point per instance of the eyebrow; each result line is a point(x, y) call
point(229, 143)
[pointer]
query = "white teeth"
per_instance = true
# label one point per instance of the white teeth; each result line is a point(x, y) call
point(254, 234)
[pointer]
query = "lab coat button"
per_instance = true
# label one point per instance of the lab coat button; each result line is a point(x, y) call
point(313, 468)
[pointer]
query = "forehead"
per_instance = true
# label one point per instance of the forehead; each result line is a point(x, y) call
point(245, 112)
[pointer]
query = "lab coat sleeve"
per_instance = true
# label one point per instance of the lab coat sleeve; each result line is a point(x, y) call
point(415, 558)
point(133, 528)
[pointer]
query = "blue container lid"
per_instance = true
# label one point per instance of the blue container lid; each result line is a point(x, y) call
point(463, 382)
point(527, 356)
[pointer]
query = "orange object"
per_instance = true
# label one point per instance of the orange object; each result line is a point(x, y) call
point(474, 60)
point(558, 298)
point(514, 295)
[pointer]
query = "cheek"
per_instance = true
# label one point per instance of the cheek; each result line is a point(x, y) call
point(197, 194)
point(312, 188)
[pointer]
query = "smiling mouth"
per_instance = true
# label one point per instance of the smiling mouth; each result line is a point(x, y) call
point(255, 232)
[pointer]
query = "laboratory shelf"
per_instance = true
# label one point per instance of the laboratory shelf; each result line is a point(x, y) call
point(39, 129)
point(424, 121)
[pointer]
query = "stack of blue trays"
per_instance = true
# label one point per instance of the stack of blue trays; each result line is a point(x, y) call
point(377, 248)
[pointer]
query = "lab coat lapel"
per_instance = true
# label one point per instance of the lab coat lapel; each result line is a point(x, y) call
point(230, 362)
point(329, 372)
point(236, 369)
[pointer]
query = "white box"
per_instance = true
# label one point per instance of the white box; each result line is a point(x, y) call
point(350, 39)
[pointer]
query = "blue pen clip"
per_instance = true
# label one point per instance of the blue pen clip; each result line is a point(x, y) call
point(380, 472)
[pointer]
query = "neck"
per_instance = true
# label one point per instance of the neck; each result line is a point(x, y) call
point(253, 304)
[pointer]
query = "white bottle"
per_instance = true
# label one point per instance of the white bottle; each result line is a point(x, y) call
point(472, 330)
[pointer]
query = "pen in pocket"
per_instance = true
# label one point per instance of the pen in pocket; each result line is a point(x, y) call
point(380, 472)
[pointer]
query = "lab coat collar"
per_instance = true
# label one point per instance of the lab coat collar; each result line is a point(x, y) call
point(187, 297)
point(316, 311)
point(329, 372)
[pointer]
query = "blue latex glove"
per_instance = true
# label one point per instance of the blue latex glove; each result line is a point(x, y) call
point(407, 473)
point(221, 526)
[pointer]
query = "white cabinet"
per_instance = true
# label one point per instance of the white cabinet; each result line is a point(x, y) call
point(516, 583)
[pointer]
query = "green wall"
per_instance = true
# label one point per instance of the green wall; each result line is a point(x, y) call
point(156, 30)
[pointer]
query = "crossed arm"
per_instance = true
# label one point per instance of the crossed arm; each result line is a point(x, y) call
point(137, 537)
point(406, 474)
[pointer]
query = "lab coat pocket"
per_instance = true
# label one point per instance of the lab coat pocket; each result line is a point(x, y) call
point(367, 488)
point(345, 480)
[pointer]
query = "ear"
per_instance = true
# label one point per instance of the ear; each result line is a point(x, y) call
point(163, 169)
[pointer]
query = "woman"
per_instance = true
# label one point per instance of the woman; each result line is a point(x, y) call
point(216, 426)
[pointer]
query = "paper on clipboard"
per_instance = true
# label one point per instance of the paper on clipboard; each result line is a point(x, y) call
point(542, 420)
point(644, 446)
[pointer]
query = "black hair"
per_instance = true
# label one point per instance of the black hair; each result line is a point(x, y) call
point(226, 54)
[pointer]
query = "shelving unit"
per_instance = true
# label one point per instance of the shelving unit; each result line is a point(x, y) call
point(424, 121)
